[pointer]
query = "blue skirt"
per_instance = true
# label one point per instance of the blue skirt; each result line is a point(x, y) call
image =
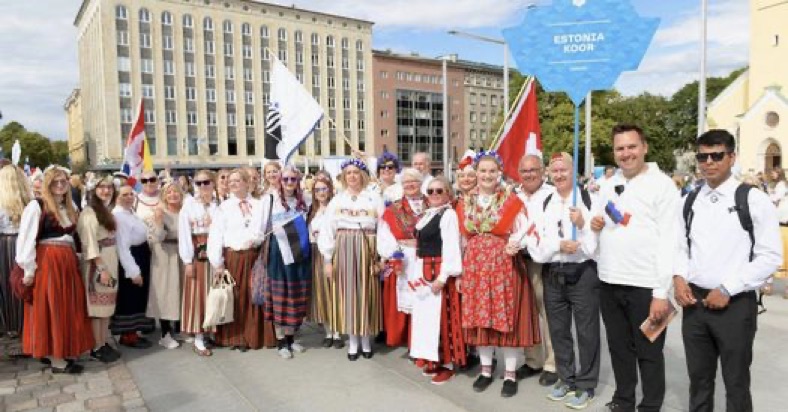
point(288, 289)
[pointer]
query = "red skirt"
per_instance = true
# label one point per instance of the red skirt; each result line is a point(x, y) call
point(248, 328)
point(395, 323)
point(56, 323)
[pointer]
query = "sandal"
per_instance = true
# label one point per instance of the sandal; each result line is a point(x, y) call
point(203, 352)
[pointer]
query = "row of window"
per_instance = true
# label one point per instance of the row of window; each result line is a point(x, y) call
point(483, 99)
point(417, 77)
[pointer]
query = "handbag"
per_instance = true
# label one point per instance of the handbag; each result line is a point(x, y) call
point(260, 269)
point(220, 303)
point(18, 288)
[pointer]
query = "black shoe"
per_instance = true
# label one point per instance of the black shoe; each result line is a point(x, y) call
point(352, 357)
point(526, 371)
point(327, 342)
point(470, 363)
point(111, 352)
point(339, 343)
point(482, 383)
point(101, 355)
point(137, 344)
point(367, 355)
point(71, 369)
point(381, 337)
point(548, 378)
point(509, 388)
point(243, 349)
point(612, 406)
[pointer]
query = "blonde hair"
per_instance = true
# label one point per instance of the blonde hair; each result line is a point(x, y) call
point(365, 179)
point(163, 194)
point(50, 204)
point(266, 185)
point(15, 194)
point(412, 173)
point(446, 186)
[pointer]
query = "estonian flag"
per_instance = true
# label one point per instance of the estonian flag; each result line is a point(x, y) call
point(292, 235)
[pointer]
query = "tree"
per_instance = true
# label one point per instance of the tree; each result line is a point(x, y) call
point(38, 149)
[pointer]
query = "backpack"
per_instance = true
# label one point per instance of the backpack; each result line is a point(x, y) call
point(584, 196)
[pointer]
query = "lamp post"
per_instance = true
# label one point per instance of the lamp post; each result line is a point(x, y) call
point(505, 61)
point(702, 82)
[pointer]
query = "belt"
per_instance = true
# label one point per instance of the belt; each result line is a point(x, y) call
point(170, 241)
point(63, 243)
point(365, 231)
point(703, 292)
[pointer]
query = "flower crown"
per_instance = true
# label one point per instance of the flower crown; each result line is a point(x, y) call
point(487, 153)
point(389, 157)
point(355, 162)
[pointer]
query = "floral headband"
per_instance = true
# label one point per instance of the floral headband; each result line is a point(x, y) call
point(58, 167)
point(389, 157)
point(355, 162)
point(487, 153)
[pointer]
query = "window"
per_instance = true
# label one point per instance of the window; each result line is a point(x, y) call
point(359, 45)
point(191, 118)
point(316, 80)
point(230, 94)
point(169, 92)
point(231, 120)
point(332, 103)
point(473, 117)
point(299, 37)
point(145, 40)
point(346, 124)
point(484, 117)
point(361, 124)
point(344, 43)
point(249, 97)
point(360, 85)
point(494, 101)
point(283, 56)
point(144, 15)
point(190, 69)
point(360, 65)
point(384, 74)
point(266, 76)
point(483, 99)
point(212, 118)
point(360, 105)
point(299, 57)
point(229, 73)
point(248, 74)
point(473, 98)
point(146, 65)
point(473, 134)
point(187, 20)
point(300, 77)
point(125, 115)
point(264, 32)
point(227, 26)
point(315, 59)
point(188, 45)
point(191, 94)
point(209, 47)
point(210, 95)
point(246, 29)
point(150, 116)
point(121, 13)
point(247, 50)
point(250, 120)
point(210, 71)
point(345, 63)
point(228, 49)
point(330, 61)
point(330, 41)
point(345, 83)
point(346, 103)
point(147, 91)
point(166, 18)
point(281, 34)
point(169, 67)
point(384, 95)
point(123, 38)
point(266, 99)
point(315, 39)
point(124, 89)
point(167, 42)
point(332, 82)
point(169, 117)
point(266, 55)
point(207, 24)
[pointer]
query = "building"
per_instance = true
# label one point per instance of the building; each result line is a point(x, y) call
point(754, 108)
point(408, 104)
point(77, 149)
point(202, 69)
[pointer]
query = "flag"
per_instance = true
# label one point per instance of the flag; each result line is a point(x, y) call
point(292, 236)
point(521, 134)
point(137, 157)
point(292, 114)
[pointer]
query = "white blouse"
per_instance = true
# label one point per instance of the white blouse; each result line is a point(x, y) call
point(232, 229)
point(7, 227)
point(346, 211)
point(316, 224)
point(28, 232)
point(131, 231)
point(195, 218)
point(145, 206)
point(451, 254)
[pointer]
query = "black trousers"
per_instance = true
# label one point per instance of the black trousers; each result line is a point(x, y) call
point(727, 335)
point(624, 308)
point(563, 302)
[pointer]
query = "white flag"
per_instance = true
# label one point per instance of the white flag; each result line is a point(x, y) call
point(292, 114)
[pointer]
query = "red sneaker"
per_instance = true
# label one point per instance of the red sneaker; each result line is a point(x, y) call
point(431, 370)
point(442, 376)
point(421, 363)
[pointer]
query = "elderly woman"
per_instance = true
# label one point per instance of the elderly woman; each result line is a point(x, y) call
point(234, 242)
point(194, 221)
point(397, 246)
point(322, 287)
point(388, 167)
point(96, 228)
point(497, 310)
point(164, 300)
point(347, 242)
point(56, 324)
point(289, 280)
point(13, 199)
point(437, 299)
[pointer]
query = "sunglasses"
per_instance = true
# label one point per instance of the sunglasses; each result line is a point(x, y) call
point(715, 156)
point(321, 189)
point(145, 181)
point(199, 183)
point(435, 191)
point(290, 179)
point(59, 182)
point(388, 167)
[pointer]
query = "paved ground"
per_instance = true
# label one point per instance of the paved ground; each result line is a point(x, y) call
point(324, 380)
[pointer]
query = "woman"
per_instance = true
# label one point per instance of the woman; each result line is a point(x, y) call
point(222, 185)
point(347, 242)
point(466, 178)
point(778, 187)
point(13, 198)
point(77, 191)
point(194, 221)
point(56, 324)
point(322, 286)
point(289, 281)
point(497, 307)
point(164, 299)
point(234, 242)
point(438, 300)
point(96, 228)
point(271, 173)
point(186, 187)
point(397, 246)
point(134, 273)
point(388, 167)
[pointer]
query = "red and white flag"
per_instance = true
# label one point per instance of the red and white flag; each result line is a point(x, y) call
point(137, 156)
point(521, 134)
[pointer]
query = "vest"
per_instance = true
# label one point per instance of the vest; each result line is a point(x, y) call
point(429, 240)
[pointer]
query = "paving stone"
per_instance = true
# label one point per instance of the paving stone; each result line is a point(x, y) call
point(74, 387)
point(11, 367)
point(133, 403)
point(46, 391)
point(40, 409)
point(18, 397)
point(56, 399)
point(7, 390)
point(27, 374)
point(95, 384)
point(7, 376)
point(22, 405)
point(111, 401)
point(93, 394)
point(76, 406)
point(63, 378)
point(34, 378)
point(124, 385)
point(140, 409)
point(30, 387)
point(133, 394)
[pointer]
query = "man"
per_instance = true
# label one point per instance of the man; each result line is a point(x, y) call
point(421, 162)
point(533, 191)
point(609, 172)
point(636, 225)
point(571, 285)
point(718, 268)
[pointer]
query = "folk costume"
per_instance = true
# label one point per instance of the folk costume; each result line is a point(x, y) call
point(164, 299)
point(11, 308)
point(98, 242)
point(320, 310)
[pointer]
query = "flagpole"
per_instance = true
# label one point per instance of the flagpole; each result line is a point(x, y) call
point(512, 108)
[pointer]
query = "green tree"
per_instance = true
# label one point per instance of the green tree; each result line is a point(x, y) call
point(35, 147)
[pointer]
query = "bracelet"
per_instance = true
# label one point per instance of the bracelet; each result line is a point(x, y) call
point(724, 291)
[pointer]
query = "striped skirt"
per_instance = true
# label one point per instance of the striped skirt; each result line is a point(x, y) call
point(56, 322)
point(195, 293)
point(132, 300)
point(248, 328)
point(287, 289)
point(356, 298)
point(322, 290)
point(11, 309)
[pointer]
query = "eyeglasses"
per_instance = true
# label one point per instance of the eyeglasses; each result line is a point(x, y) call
point(388, 167)
point(289, 179)
point(715, 156)
point(199, 183)
point(61, 182)
point(525, 171)
point(145, 181)
point(321, 189)
point(435, 191)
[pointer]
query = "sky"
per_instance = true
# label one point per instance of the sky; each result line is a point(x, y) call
point(38, 50)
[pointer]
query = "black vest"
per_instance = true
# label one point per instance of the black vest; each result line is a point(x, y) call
point(49, 227)
point(429, 240)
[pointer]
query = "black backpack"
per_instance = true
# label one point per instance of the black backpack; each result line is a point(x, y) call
point(584, 195)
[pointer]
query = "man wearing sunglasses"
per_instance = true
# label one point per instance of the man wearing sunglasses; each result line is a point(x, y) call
point(717, 270)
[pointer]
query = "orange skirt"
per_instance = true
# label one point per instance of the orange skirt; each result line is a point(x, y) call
point(56, 322)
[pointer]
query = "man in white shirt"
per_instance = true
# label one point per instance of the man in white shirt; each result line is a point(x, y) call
point(421, 162)
point(532, 191)
point(635, 219)
point(718, 268)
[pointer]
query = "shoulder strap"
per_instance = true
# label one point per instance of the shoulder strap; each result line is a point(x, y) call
point(585, 197)
point(743, 210)
point(547, 201)
point(689, 215)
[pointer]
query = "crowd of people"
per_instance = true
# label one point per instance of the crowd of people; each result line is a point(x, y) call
point(459, 273)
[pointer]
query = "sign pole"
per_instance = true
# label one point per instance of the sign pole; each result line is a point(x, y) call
point(574, 164)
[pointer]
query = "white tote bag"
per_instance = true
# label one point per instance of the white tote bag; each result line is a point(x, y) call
point(220, 302)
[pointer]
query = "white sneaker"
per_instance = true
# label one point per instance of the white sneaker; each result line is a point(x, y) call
point(168, 342)
point(285, 353)
point(188, 339)
point(297, 347)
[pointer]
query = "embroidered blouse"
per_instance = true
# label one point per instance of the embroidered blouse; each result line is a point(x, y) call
point(195, 219)
point(238, 225)
point(346, 211)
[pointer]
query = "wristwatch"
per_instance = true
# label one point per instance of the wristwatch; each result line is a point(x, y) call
point(724, 291)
